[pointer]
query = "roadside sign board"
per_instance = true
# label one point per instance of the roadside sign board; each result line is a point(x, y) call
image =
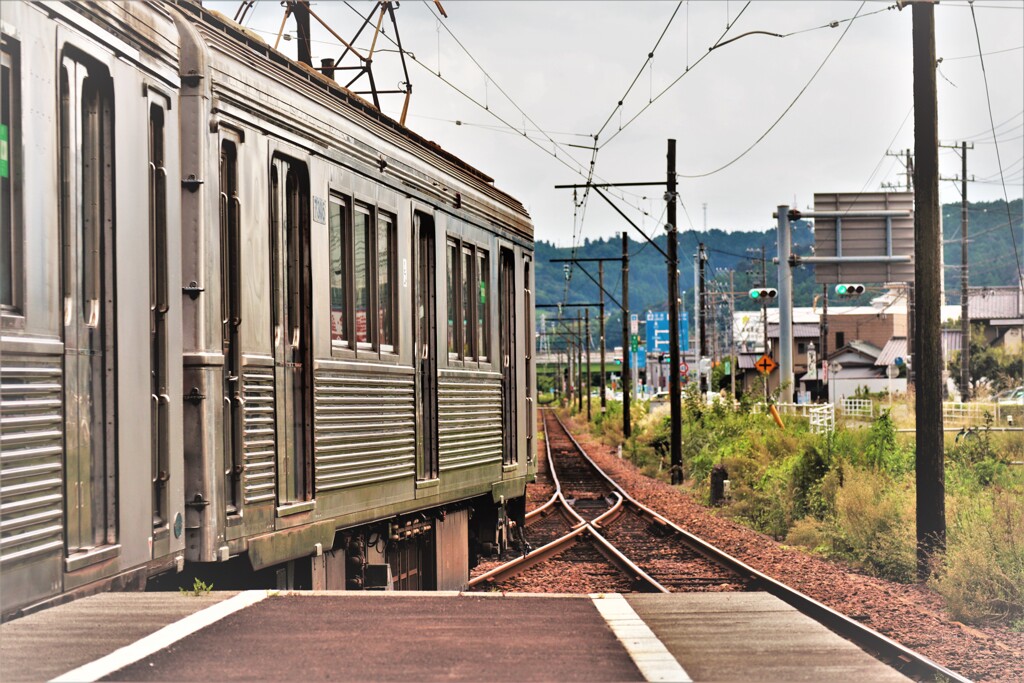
point(863, 236)
point(634, 342)
point(765, 364)
point(658, 329)
point(634, 324)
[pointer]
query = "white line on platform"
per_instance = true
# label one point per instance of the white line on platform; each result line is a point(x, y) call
point(649, 654)
point(165, 637)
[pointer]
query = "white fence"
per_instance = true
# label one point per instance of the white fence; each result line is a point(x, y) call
point(973, 414)
point(822, 416)
point(858, 407)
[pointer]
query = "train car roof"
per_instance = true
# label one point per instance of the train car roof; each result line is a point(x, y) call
point(239, 34)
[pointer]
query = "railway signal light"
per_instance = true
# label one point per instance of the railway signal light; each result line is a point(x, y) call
point(849, 290)
point(763, 294)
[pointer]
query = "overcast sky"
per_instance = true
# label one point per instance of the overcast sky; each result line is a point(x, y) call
point(564, 66)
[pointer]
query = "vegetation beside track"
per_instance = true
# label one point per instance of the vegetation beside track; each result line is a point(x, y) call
point(851, 495)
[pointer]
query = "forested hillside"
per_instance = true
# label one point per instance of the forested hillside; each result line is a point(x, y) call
point(991, 259)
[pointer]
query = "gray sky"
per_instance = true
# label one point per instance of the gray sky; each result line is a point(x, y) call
point(565, 65)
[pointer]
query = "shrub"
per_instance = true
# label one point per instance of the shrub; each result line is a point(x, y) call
point(982, 574)
point(874, 525)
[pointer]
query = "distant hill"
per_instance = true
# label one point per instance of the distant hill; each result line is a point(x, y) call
point(991, 261)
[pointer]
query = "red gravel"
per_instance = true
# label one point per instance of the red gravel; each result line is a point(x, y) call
point(912, 615)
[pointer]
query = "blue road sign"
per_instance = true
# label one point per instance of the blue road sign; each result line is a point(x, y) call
point(658, 329)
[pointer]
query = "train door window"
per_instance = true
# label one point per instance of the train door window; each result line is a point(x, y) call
point(483, 318)
point(159, 305)
point(340, 244)
point(86, 124)
point(426, 341)
point(385, 280)
point(290, 228)
point(10, 184)
point(362, 269)
point(507, 349)
point(231, 322)
point(467, 307)
point(453, 299)
point(528, 340)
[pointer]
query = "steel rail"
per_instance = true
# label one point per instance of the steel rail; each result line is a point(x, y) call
point(641, 579)
point(903, 659)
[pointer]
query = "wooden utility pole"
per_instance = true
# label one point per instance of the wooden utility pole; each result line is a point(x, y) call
point(702, 329)
point(586, 345)
point(675, 445)
point(600, 286)
point(927, 360)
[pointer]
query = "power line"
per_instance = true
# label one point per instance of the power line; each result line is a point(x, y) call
point(650, 57)
point(679, 78)
point(787, 109)
point(988, 99)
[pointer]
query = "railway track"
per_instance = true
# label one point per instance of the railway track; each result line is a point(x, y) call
point(610, 540)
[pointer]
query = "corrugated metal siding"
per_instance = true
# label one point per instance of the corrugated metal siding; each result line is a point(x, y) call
point(31, 455)
point(469, 422)
point(258, 479)
point(364, 429)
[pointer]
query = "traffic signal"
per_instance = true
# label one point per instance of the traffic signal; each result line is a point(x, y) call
point(763, 294)
point(849, 290)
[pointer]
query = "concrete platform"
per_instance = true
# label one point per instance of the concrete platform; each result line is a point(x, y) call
point(753, 636)
point(46, 644)
point(258, 635)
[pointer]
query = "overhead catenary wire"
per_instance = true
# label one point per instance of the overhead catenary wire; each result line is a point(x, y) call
point(786, 110)
point(992, 122)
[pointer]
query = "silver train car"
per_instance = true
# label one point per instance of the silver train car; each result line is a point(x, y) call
point(251, 329)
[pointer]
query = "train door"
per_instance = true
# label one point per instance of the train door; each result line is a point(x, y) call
point(87, 285)
point(292, 319)
point(507, 351)
point(231, 321)
point(159, 306)
point(425, 347)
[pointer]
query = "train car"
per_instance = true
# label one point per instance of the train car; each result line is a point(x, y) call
point(91, 474)
point(331, 316)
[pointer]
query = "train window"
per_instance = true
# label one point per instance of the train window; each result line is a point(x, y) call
point(468, 284)
point(385, 278)
point(362, 270)
point(453, 331)
point(10, 187)
point(483, 319)
point(340, 238)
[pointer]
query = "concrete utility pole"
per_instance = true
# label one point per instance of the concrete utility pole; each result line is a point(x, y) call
point(927, 360)
point(579, 363)
point(675, 446)
point(764, 315)
point(626, 375)
point(965, 317)
point(734, 360)
point(702, 329)
point(785, 308)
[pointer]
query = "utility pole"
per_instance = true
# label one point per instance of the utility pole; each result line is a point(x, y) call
point(675, 446)
point(824, 335)
point(702, 296)
point(785, 308)
point(626, 375)
point(586, 345)
point(965, 318)
point(931, 487)
point(764, 316)
point(733, 358)
point(579, 363)
point(600, 286)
